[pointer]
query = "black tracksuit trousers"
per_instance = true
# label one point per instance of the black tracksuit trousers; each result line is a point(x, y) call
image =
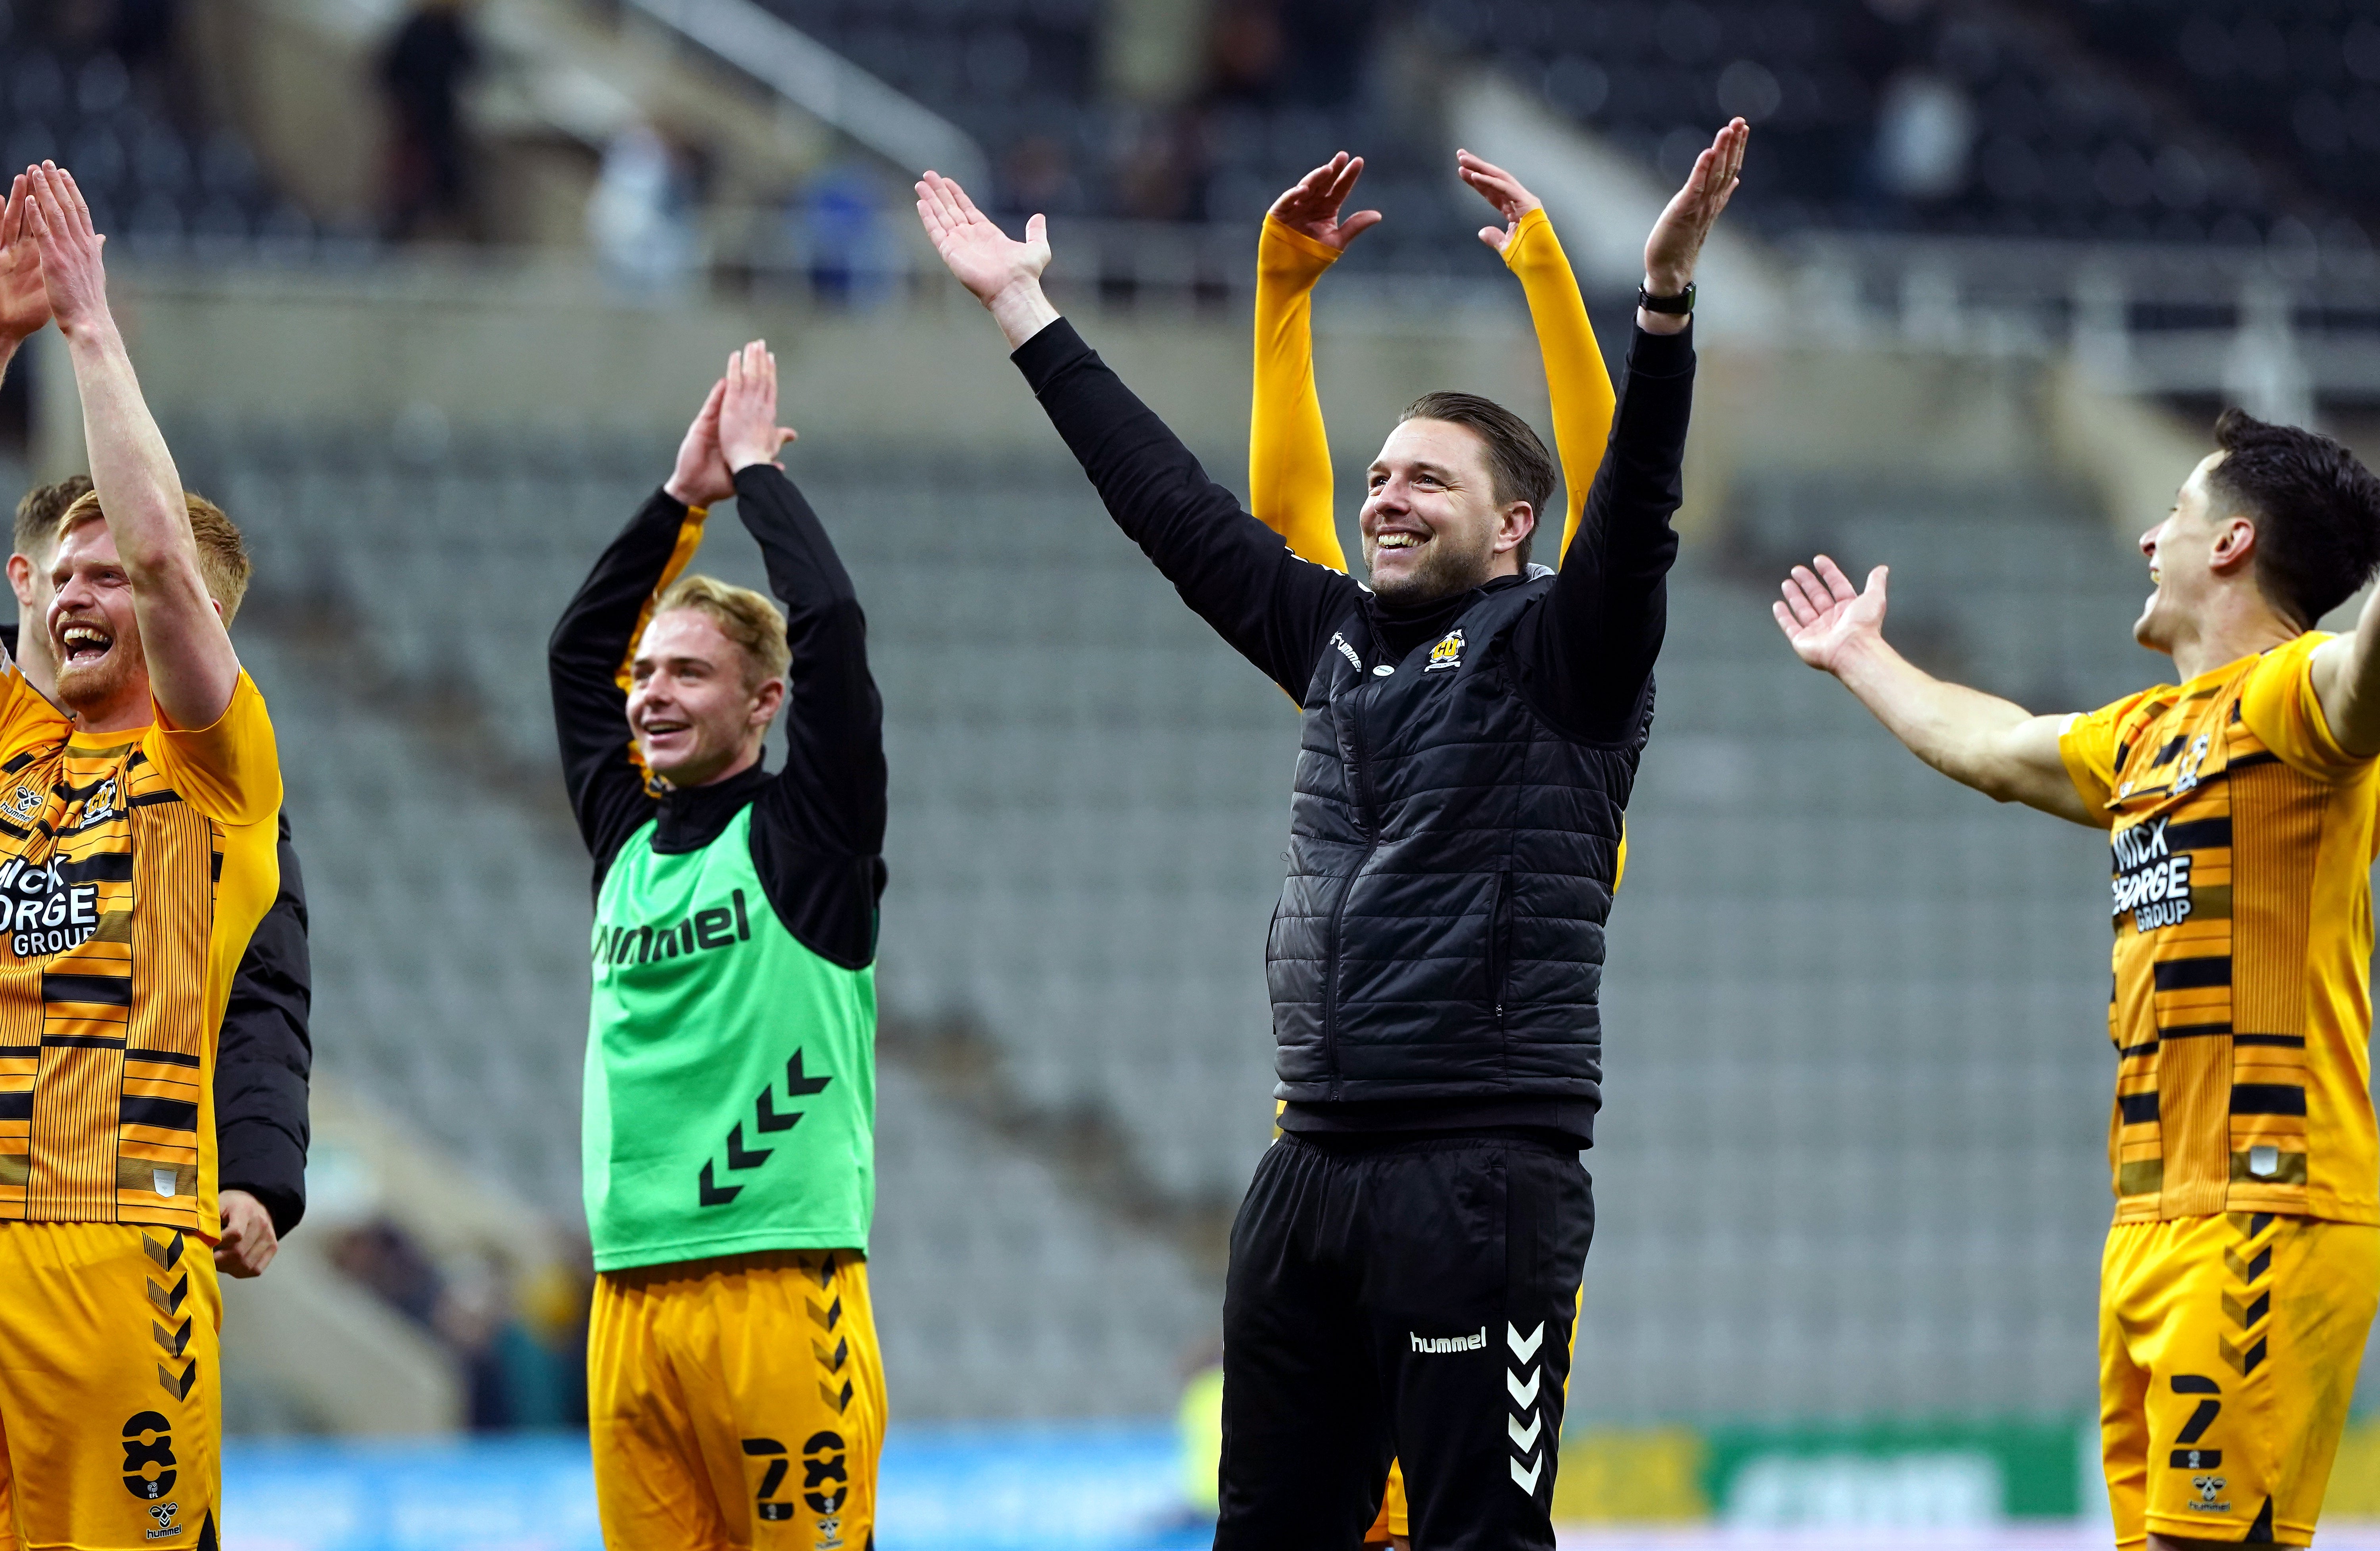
point(1400, 1298)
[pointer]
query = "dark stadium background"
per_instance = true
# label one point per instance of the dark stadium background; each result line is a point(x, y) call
point(424, 293)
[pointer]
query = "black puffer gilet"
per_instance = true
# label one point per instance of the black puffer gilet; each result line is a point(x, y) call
point(1450, 866)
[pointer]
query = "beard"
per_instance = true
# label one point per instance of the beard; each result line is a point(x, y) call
point(1445, 571)
point(89, 688)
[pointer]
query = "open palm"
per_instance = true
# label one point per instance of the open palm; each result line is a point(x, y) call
point(1310, 206)
point(985, 259)
point(1824, 617)
point(1500, 188)
point(1678, 235)
point(24, 303)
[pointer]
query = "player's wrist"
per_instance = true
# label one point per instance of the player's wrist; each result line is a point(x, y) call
point(93, 330)
point(1021, 309)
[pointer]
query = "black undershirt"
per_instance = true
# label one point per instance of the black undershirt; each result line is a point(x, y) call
point(817, 825)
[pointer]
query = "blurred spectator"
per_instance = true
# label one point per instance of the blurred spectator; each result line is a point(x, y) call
point(640, 217)
point(1199, 1423)
point(382, 1258)
point(422, 69)
point(521, 1351)
point(1924, 128)
point(839, 237)
point(1246, 53)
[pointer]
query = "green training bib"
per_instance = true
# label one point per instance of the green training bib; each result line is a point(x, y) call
point(730, 1072)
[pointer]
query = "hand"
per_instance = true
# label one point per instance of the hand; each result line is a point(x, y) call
point(72, 276)
point(702, 476)
point(249, 1242)
point(1001, 273)
point(1677, 238)
point(1825, 620)
point(24, 305)
point(748, 432)
point(1500, 188)
point(1310, 206)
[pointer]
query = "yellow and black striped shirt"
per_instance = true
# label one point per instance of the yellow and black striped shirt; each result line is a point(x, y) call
point(134, 866)
point(2242, 839)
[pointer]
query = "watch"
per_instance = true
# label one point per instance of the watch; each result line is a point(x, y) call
point(1676, 305)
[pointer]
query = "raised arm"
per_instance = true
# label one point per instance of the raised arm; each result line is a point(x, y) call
point(587, 659)
point(1992, 745)
point(832, 788)
point(1289, 449)
point(1592, 653)
point(1576, 380)
point(192, 669)
point(24, 304)
point(1272, 608)
point(2346, 673)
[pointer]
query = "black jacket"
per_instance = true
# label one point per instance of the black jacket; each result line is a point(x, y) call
point(1451, 859)
point(818, 827)
point(265, 1057)
point(1568, 661)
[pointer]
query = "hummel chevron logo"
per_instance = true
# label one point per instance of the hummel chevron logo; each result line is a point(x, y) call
point(739, 1157)
point(1523, 1395)
point(799, 1086)
point(179, 1388)
point(767, 1120)
point(1528, 1480)
point(1523, 1350)
point(170, 1303)
point(711, 1195)
point(1524, 1439)
point(765, 1115)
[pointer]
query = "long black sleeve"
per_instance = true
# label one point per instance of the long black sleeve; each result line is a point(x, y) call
point(819, 824)
point(583, 660)
point(1274, 608)
point(1587, 657)
point(265, 1058)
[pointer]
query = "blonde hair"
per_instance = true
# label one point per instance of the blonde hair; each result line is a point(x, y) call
point(223, 557)
point(744, 617)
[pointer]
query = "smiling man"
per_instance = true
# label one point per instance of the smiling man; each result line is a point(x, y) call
point(265, 1050)
point(735, 1394)
point(2244, 1266)
point(1404, 1269)
point(136, 856)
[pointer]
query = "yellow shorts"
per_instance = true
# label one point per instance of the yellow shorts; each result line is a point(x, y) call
point(736, 1402)
point(2227, 1351)
point(110, 1400)
point(1394, 1522)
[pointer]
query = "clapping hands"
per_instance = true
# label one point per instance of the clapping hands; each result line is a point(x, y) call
point(735, 429)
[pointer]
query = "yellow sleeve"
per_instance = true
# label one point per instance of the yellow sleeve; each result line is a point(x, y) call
point(229, 771)
point(26, 720)
point(1575, 378)
point(1289, 451)
point(689, 538)
point(2279, 706)
point(2087, 745)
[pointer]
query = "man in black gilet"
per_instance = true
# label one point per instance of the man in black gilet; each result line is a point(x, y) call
point(1404, 1266)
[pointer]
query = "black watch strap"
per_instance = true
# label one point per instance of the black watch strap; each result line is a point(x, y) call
point(1676, 305)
